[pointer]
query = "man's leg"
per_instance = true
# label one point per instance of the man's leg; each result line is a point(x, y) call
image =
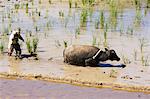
point(11, 50)
point(18, 50)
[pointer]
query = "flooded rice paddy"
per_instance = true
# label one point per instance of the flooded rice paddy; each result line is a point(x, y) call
point(55, 25)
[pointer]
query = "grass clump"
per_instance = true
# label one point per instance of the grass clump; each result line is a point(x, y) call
point(32, 44)
point(35, 44)
point(29, 46)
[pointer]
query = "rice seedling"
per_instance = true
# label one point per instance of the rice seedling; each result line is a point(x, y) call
point(29, 46)
point(50, 1)
point(32, 2)
point(1, 48)
point(135, 55)
point(125, 60)
point(97, 23)
point(65, 44)
point(102, 20)
point(146, 61)
point(91, 2)
point(113, 73)
point(142, 44)
point(83, 18)
point(130, 30)
point(137, 4)
point(105, 35)
point(40, 2)
point(57, 43)
point(84, 2)
point(17, 6)
point(138, 18)
point(27, 7)
point(61, 13)
point(32, 43)
point(70, 3)
point(35, 44)
point(113, 14)
point(148, 4)
point(77, 31)
point(76, 4)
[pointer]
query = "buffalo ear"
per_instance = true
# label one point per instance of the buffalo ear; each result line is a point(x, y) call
point(106, 49)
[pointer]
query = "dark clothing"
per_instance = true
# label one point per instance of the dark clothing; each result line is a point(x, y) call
point(15, 39)
point(17, 49)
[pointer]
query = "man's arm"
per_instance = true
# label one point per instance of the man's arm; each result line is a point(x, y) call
point(21, 38)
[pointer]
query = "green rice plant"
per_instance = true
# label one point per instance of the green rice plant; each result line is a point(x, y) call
point(113, 14)
point(105, 35)
point(137, 4)
point(32, 2)
point(40, 1)
point(17, 6)
point(148, 4)
point(91, 2)
point(135, 55)
point(138, 18)
point(125, 60)
point(142, 44)
point(97, 23)
point(113, 73)
point(65, 44)
point(102, 20)
point(146, 61)
point(50, 1)
point(1, 48)
point(83, 18)
point(77, 31)
point(61, 13)
point(29, 45)
point(130, 30)
point(76, 4)
point(27, 7)
point(83, 2)
point(35, 44)
point(70, 3)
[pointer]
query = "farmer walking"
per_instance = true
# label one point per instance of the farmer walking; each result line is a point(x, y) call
point(13, 43)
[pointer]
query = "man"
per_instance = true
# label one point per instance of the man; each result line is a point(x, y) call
point(13, 43)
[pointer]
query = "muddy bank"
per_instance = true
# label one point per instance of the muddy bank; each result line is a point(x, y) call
point(18, 89)
point(101, 84)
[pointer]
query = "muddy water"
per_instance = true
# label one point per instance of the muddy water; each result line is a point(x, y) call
point(52, 30)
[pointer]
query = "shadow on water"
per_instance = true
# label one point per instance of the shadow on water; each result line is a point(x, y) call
point(28, 55)
point(110, 65)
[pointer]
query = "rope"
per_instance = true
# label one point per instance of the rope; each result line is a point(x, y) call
point(96, 54)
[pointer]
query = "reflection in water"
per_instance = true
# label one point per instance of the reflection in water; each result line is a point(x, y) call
point(14, 65)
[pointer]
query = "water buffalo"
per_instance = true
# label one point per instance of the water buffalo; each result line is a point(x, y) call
point(85, 55)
